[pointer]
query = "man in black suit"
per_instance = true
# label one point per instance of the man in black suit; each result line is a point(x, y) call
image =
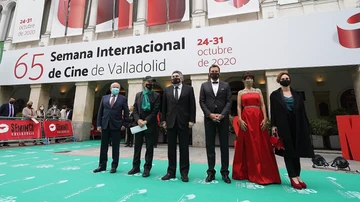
point(178, 115)
point(215, 101)
point(146, 108)
point(110, 123)
point(8, 110)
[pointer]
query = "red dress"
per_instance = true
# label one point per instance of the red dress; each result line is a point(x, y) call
point(254, 158)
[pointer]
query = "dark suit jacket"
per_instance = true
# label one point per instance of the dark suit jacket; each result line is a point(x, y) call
point(279, 118)
point(70, 114)
point(113, 118)
point(219, 104)
point(183, 111)
point(149, 116)
point(4, 110)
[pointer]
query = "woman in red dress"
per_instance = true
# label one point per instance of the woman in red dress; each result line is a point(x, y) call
point(254, 158)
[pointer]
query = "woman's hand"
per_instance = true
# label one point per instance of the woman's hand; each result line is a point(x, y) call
point(263, 124)
point(243, 125)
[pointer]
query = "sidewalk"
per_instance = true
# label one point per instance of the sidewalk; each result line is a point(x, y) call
point(198, 155)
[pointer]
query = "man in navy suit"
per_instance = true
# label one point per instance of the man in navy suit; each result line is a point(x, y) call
point(110, 122)
point(8, 110)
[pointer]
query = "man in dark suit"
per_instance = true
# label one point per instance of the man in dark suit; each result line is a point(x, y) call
point(8, 110)
point(178, 115)
point(69, 113)
point(110, 123)
point(215, 101)
point(146, 107)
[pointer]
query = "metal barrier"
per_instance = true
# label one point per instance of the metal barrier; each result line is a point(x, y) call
point(16, 129)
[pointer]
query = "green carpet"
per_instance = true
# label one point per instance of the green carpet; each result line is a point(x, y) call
point(37, 174)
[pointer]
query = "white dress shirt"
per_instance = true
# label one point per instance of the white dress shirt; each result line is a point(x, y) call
point(111, 97)
point(179, 89)
point(11, 110)
point(215, 86)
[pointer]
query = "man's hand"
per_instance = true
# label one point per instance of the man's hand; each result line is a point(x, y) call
point(191, 124)
point(164, 125)
point(140, 122)
point(122, 128)
point(213, 117)
point(99, 129)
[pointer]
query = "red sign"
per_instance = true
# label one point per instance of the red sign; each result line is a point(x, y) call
point(349, 132)
point(57, 128)
point(19, 130)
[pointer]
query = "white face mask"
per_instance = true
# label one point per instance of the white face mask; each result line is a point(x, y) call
point(54, 107)
point(41, 108)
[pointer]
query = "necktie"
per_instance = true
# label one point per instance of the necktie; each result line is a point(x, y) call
point(112, 101)
point(32, 113)
point(176, 93)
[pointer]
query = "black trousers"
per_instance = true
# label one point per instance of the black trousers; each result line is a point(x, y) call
point(183, 134)
point(292, 164)
point(129, 137)
point(115, 137)
point(149, 135)
point(210, 133)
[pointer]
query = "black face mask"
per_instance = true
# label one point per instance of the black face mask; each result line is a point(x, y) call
point(175, 80)
point(12, 102)
point(149, 86)
point(285, 83)
point(214, 76)
point(29, 106)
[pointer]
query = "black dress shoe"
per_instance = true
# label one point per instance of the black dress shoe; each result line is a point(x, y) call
point(99, 169)
point(185, 178)
point(146, 173)
point(168, 177)
point(226, 179)
point(210, 178)
point(113, 170)
point(134, 171)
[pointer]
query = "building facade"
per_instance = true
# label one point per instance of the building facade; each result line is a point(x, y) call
point(325, 88)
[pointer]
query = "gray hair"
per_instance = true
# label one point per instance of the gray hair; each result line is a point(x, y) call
point(180, 73)
point(113, 84)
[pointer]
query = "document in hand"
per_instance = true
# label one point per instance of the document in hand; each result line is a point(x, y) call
point(137, 129)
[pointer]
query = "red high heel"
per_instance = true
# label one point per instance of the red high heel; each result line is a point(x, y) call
point(303, 185)
point(296, 186)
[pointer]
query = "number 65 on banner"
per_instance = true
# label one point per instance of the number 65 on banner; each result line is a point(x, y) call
point(21, 68)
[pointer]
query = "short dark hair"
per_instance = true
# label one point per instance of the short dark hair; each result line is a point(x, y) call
point(214, 66)
point(248, 74)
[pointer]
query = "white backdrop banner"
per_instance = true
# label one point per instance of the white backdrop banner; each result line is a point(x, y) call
point(27, 26)
point(222, 8)
point(321, 39)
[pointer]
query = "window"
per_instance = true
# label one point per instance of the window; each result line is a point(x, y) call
point(9, 23)
point(46, 14)
point(1, 8)
point(87, 13)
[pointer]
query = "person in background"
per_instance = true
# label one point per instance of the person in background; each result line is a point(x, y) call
point(63, 112)
point(129, 135)
point(8, 110)
point(40, 113)
point(53, 112)
point(28, 113)
point(69, 113)
point(289, 120)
